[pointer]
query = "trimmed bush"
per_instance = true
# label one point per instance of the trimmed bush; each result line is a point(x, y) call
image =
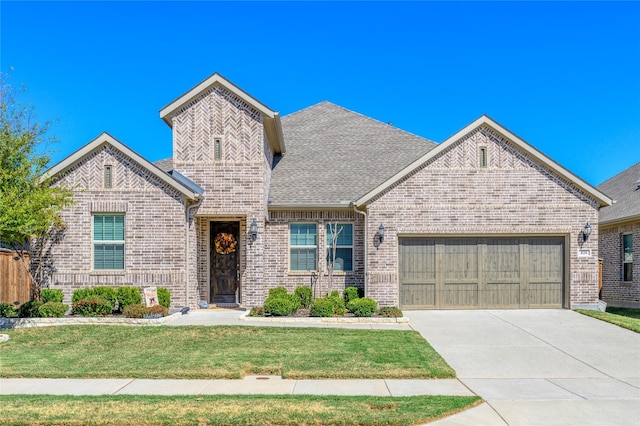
point(322, 308)
point(338, 303)
point(108, 293)
point(7, 310)
point(159, 310)
point(128, 296)
point(52, 295)
point(30, 309)
point(278, 292)
point(135, 310)
point(390, 312)
point(164, 297)
point(349, 294)
point(279, 306)
point(364, 307)
point(53, 310)
point(304, 295)
point(92, 306)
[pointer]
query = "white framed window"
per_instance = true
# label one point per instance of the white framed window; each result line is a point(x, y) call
point(108, 242)
point(343, 259)
point(108, 177)
point(217, 149)
point(303, 246)
point(627, 257)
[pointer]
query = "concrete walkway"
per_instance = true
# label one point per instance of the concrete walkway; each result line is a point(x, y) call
point(532, 367)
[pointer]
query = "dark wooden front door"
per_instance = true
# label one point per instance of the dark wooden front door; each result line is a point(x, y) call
point(225, 259)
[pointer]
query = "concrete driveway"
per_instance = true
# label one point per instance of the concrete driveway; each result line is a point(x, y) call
point(538, 367)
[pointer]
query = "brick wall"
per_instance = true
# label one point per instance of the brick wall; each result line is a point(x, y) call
point(513, 195)
point(614, 291)
point(154, 227)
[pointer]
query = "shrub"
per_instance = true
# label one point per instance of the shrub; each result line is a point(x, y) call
point(364, 307)
point(278, 292)
point(52, 310)
point(52, 295)
point(390, 312)
point(135, 310)
point(30, 309)
point(350, 293)
point(279, 306)
point(338, 303)
point(108, 293)
point(322, 308)
point(304, 295)
point(92, 306)
point(164, 297)
point(128, 296)
point(256, 311)
point(159, 310)
point(7, 310)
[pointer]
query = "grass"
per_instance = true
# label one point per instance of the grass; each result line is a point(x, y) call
point(622, 317)
point(228, 410)
point(218, 352)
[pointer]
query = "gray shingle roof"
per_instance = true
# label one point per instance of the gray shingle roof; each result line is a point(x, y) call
point(335, 155)
point(623, 188)
point(165, 165)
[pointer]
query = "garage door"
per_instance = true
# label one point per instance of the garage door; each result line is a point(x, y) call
point(481, 273)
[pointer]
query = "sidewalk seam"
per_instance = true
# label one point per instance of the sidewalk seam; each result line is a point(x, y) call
point(123, 386)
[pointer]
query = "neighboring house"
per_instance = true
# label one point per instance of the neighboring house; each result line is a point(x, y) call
point(482, 220)
point(619, 240)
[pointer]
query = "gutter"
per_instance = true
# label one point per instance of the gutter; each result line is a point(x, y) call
point(366, 239)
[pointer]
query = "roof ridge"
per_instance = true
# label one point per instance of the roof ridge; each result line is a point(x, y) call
point(621, 173)
point(305, 108)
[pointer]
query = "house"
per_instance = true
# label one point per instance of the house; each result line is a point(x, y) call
point(618, 239)
point(251, 200)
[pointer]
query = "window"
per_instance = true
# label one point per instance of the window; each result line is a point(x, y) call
point(303, 246)
point(627, 257)
point(344, 246)
point(108, 177)
point(482, 157)
point(217, 149)
point(108, 241)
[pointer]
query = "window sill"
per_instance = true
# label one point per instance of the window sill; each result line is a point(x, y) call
point(323, 273)
point(107, 272)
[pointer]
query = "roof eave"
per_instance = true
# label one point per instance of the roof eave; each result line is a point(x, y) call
point(619, 221)
point(106, 138)
point(602, 199)
point(310, 206)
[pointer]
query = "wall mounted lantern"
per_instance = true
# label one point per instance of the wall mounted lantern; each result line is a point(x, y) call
point(253, 230)
point(381, 233)
point(586, 232)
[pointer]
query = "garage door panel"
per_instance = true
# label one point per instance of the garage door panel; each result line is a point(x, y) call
point(460, 295)
point(502, 295)
point(418, 295)
point(488, 272)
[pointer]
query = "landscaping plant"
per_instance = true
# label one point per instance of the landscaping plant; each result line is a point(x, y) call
point(92, 306)
point(390, 312)
point(304, 295)
point(30, 309)
point(339, 307)
point(7, 310)
point(127, 296)
point(164, 297)
point(322, 308)
point(135, 310)
point(106, 292)
point(159, 310)
point(350, 293)
point(278, 305)
point(364, 307)
point(52, 295)
point(52, 310)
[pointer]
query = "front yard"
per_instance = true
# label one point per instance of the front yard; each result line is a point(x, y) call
point(622, 317)
point(230, 352)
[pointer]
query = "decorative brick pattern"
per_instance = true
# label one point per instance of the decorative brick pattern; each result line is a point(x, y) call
point(451, 195)
point(614, 291)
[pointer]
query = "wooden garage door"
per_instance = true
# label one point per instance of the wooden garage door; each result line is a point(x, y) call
point(481, 273)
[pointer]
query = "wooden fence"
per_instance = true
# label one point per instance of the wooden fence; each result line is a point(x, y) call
point(15, 283)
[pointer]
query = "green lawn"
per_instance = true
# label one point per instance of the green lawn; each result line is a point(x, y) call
point(218, 352)
point(622, 317)
point(228, 410)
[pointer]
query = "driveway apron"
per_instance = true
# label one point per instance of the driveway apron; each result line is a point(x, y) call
point(540, 366)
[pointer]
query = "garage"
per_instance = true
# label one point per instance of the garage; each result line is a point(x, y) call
point(481, 273)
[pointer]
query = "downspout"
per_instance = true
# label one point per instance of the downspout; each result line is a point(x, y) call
point(187, 211)
point(366, 239)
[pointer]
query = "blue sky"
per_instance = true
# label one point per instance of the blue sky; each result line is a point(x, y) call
point(563, 76)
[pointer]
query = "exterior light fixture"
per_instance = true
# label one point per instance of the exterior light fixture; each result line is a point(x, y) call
point(586, 232)
point(381, 233)
point(253, 230)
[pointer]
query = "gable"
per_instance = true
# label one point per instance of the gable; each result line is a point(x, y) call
point(624, 188)
point(505, 151)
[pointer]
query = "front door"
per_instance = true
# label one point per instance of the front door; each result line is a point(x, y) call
point(225, 260)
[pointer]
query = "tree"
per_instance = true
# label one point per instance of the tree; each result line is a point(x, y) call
point(29, 204)
point(334, 232)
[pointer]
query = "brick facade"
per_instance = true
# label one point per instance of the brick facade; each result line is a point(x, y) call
point(452, 196)
point(615, 291)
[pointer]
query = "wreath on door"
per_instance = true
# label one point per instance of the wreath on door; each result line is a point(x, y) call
point(225, 243)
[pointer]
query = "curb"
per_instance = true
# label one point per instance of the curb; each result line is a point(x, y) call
point(52, 322)
point(329, 320)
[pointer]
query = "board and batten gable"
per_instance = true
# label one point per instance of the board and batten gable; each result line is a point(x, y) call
point(462, 191)
point(154, 255)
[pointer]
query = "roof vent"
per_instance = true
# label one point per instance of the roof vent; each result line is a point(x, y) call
point(638, 185)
